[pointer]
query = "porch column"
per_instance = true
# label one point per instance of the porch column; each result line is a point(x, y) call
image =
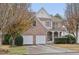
point(58, 33)
point(53, 36)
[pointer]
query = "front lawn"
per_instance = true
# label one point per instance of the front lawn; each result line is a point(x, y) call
point(18, 50)
point(74, 47)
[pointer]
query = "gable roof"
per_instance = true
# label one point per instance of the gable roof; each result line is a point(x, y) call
point(43, 10)
point(39, 29)
point(44, 13)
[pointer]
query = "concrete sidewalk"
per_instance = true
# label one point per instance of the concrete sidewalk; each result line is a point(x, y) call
point(46, 49)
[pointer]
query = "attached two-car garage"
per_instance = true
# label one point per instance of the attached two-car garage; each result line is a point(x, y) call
point(39, 39)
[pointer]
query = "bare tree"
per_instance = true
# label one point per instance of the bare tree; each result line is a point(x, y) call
point(14, 19)
point(72, 15)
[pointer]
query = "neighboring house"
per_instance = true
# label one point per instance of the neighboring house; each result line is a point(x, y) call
point(44, 29)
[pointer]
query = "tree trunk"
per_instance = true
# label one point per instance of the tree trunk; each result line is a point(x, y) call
point(2, 39)
point(76, 33)
point(13, 41)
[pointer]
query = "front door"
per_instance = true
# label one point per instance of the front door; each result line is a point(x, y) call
point(55, 34)
point(49, 37)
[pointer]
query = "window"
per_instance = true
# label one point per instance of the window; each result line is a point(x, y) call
point(53, 25)
point(48, 23)
point(34, 23)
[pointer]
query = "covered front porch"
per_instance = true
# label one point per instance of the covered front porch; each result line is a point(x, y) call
point(53, 34)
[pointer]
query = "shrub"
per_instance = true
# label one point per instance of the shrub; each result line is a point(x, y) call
point(71, 39)
point(19, 41)
point(67, 39)
point(6, 39)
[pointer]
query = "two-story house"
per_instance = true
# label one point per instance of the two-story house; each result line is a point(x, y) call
point(44, 29)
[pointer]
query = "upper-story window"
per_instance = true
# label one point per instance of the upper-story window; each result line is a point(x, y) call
point(34, 23)
point(48, 23)
point(55, 25)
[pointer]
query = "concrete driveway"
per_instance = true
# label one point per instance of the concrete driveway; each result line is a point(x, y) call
point(46, 49)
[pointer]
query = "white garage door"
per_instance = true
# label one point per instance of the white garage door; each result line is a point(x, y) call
point(40, 39)
point(28, 39)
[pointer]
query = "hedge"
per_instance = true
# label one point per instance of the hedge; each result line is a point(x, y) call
point(60, 40)
point(68, 39)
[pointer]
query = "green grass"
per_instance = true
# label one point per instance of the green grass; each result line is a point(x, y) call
point(18, 50)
